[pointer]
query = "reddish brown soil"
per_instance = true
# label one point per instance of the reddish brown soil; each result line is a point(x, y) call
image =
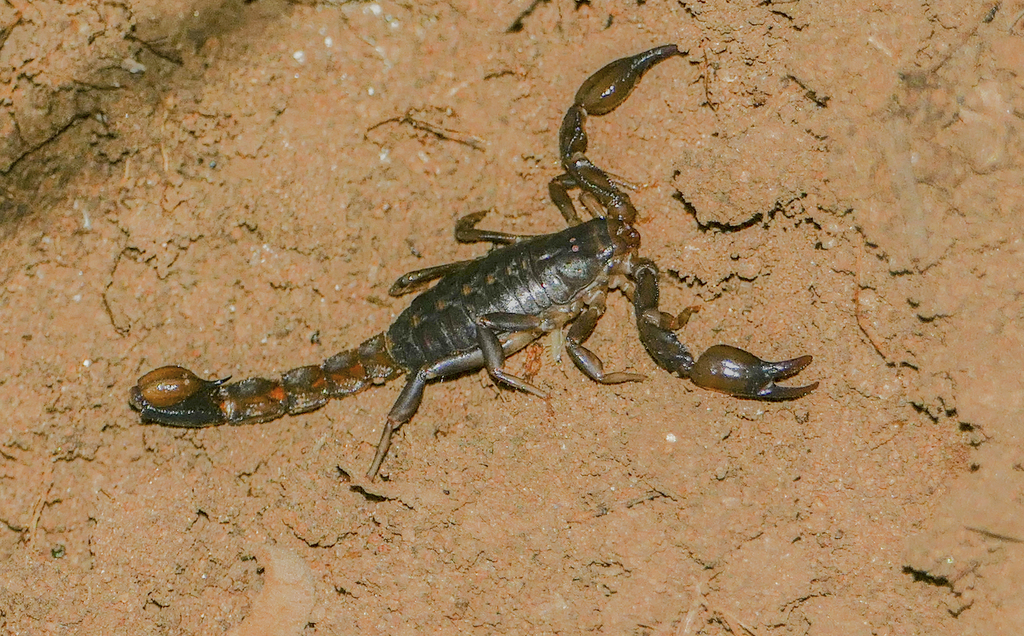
point(846, 182)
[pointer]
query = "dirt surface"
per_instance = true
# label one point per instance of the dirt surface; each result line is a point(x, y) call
point(230, 186)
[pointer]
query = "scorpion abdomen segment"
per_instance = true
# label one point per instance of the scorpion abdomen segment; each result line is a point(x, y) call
point(535, 277)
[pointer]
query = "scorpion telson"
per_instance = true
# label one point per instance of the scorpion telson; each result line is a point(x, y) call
point(482, 310)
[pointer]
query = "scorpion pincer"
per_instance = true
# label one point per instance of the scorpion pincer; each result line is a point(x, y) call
point(480, 311)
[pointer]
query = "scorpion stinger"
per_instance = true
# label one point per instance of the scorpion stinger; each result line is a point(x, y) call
point(483, 310)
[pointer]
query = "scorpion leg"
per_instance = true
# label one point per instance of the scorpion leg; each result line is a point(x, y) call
point(409, 399)
point(487, 329)
point(414, 280)
point(585, 359)
point(594, 182)
point(722, 367)
point(559, 187)
point(405, 407)
point(466, 231)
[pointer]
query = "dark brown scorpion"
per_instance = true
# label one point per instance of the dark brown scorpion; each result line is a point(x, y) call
point(485, 309)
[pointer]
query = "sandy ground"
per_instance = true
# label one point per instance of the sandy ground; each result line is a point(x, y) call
point(211, 184)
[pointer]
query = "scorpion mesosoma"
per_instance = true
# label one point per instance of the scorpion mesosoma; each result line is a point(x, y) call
point(481, 311)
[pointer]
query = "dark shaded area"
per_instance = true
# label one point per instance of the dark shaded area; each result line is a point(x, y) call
point(164, 39)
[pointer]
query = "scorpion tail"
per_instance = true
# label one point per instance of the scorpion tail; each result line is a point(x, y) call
point(174, 396)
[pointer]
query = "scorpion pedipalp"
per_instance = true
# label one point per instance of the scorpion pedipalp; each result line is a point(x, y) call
point(605, 90)
point(722, 367)
point(742, 374)
point(600, 94)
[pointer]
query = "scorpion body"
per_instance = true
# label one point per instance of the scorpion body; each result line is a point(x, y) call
point(482, 310)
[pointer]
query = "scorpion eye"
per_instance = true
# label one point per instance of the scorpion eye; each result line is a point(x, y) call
point(167, 386)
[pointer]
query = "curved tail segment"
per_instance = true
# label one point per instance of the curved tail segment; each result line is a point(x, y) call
point(174, 396)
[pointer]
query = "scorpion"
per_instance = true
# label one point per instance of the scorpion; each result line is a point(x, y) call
point(481, 311)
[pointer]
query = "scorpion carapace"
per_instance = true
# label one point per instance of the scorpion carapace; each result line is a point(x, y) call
point(482, 310)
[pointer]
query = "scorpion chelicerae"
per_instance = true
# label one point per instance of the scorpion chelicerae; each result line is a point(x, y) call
point(480, 311)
